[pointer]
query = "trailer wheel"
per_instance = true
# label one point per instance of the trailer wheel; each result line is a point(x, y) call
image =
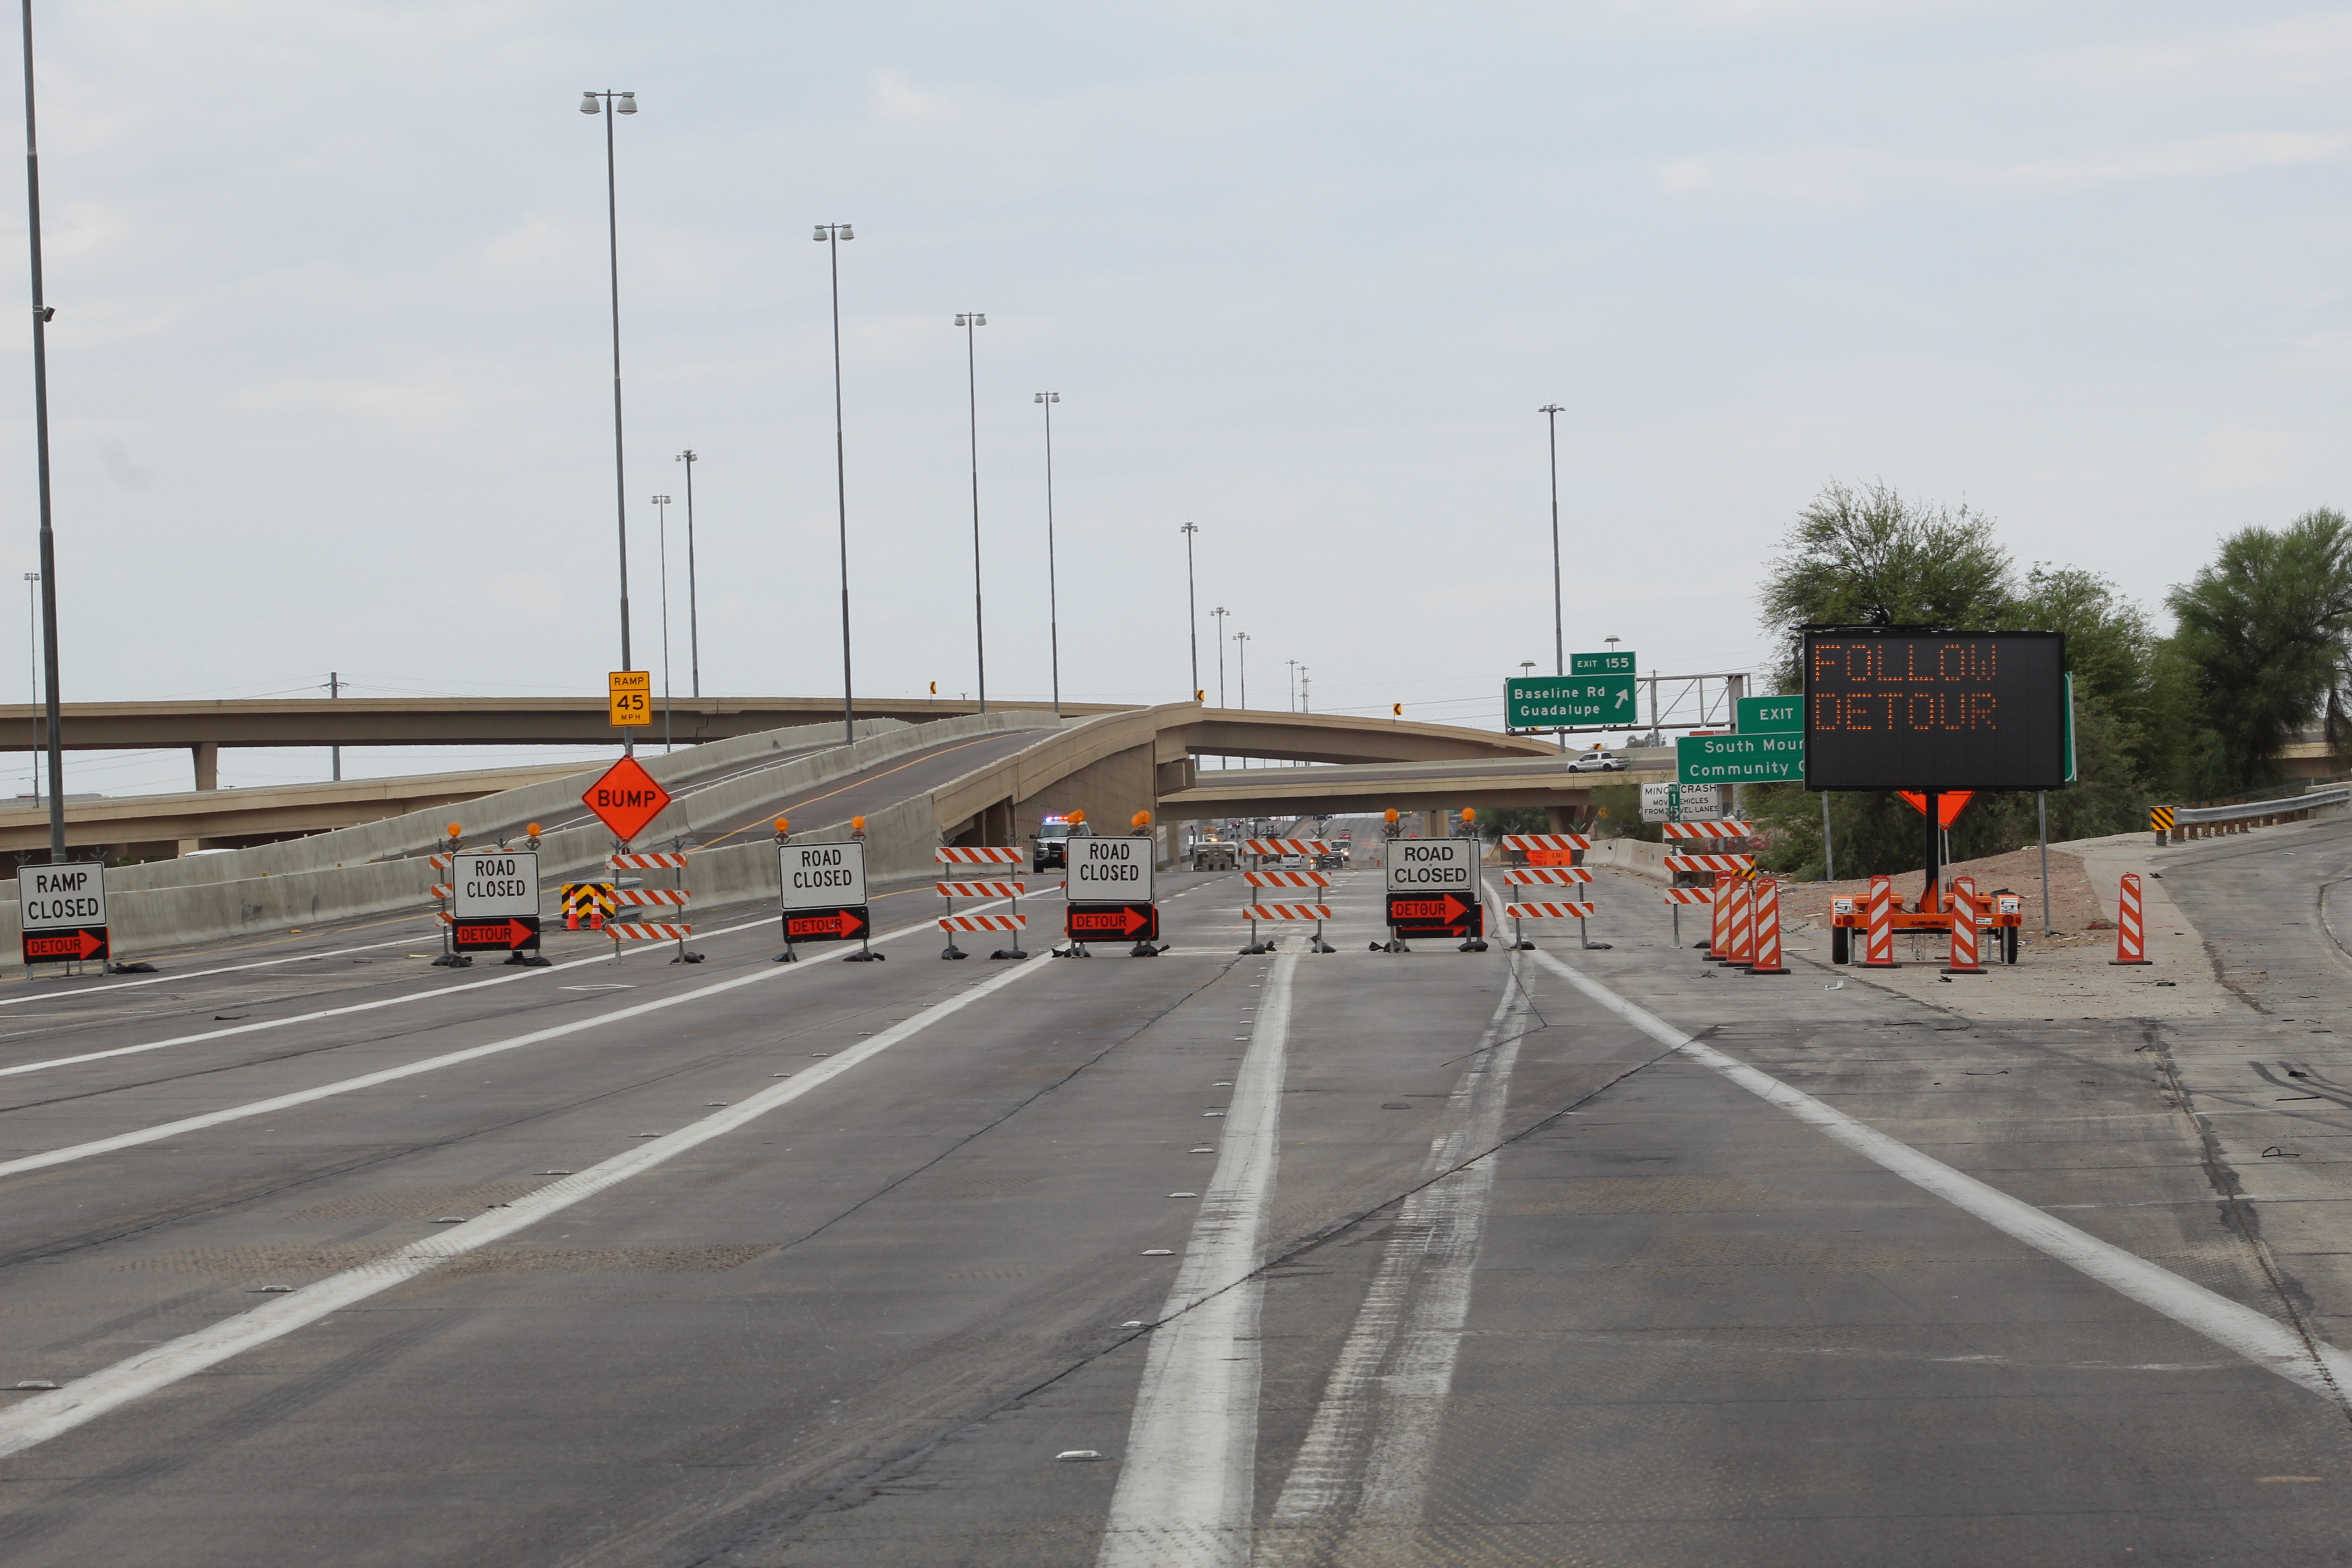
point(2008, 945)
point(1840, 940)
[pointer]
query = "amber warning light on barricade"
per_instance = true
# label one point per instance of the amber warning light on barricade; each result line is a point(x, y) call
point(1896, 710)
point(627, 798)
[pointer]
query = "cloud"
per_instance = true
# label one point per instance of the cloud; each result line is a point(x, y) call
point(115, 459)
point(1686, 174)
point(2226, 155)
point(895, 98)
point(2240, 458)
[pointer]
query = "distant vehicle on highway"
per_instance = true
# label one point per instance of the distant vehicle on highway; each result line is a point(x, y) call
point(1597, 762)
point(1051, 840)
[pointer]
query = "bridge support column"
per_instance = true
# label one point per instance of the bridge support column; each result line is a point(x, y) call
point(207, 755)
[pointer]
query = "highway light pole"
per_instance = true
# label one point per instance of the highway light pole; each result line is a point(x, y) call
point(1219, 614)
point(1241, 662)
point(1192, 613)
point(693, 616)
point(1293, 683)
point(661, 546)
point(49, 577)
point(608, 104)
point(1551, 413)
point(971, 322)
point(1053, 611)
point(33, 671)
point(831, 234)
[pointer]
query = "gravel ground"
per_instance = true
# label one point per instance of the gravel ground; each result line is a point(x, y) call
point(2073, 907)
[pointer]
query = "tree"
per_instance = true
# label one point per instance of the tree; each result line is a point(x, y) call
point(2265, 630)
point(1868, 557)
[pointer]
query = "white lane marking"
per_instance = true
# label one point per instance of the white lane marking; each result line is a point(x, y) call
point(1186, 1490)
point(224, 969)
point(46, 1416)
point(1384, 1404)
point(2317, 1365)
point(411, 996)
point(429, 1063)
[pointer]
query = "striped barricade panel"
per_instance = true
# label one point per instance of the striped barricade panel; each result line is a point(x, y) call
point(440, 862)
point(980, 854)
point(984, 923)
point(1286, 879)
point(981, 890)
point(1690, 895)
point(665, 861)
point(1708, 829)
point(639, 897)
point(1710, 862)
point(1288, 912)
point(1524, 841)
point(649, 932)
point(1285, 847)
point(444, 917)
point(1555, 876)
point(441, 890)
point(1560, 912)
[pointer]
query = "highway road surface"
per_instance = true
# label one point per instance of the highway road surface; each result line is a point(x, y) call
point(312, 1254)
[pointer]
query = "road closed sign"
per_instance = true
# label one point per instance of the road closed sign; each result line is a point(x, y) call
point(494, 902)
point(1110, 870)
point(62, 911)
point(1432, 866)
point(824, 876)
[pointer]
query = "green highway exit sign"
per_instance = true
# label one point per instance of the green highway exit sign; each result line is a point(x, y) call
point(1560, 701)
point(1777, 715)
point(1601, 664)
point(1772, 757)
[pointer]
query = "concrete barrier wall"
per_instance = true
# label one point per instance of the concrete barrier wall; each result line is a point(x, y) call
point(1636, 854)
point(899, 843)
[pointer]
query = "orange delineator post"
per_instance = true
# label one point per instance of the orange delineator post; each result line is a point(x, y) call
point(1766, 925)
point(1718, 919)
point(1962, 957)
point(1742, 924)
point(2131, 931)
point(1878, 935)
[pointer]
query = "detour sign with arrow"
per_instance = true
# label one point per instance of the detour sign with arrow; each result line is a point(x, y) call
point(1436, 914)
point(1103, 922)
point(845, 924)
point(511, 934)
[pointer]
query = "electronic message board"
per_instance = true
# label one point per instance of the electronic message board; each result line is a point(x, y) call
point(1934, 711)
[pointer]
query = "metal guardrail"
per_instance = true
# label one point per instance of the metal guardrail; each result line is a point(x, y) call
point(2293, 805)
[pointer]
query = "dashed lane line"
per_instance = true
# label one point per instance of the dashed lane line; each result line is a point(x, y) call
point(49, 1414)
point(2263, 1340)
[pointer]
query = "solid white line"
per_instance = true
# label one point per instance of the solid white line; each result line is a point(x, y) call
point(430, 1064)
point(224, 969)
point(2260, 1337)
point(1356, 1489)
point(398, 1001)
point(1185, 1487)
point(46, 1416)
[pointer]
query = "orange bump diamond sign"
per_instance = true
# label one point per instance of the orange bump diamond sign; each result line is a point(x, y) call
point(627, 798)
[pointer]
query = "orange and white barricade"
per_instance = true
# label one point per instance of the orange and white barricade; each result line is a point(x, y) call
point(1878, 925)
point(1764, 943)
point(1967, 914)
point(1315, 881)
point(650, 898)
point(983, 887)
point(1547, 876)
point(2131, 929)
point(1273, 848)
point(1718, 918)
point(1577, 910)
point(1558, 843)
point(1710, 862)
point(1706, 830)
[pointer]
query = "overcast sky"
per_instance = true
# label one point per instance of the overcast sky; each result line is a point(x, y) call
point(330, 372)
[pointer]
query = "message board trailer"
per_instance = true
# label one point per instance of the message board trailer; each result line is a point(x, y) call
point(62, 912)
point(822, 897)
point(494, 904)
point(1888, 709)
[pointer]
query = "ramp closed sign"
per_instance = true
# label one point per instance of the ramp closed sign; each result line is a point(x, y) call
point(62, 912)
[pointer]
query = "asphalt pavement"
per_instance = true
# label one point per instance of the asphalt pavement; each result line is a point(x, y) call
point(1573, 1256)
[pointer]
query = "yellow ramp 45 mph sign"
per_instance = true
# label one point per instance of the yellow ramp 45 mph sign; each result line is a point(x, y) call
point(632, 698)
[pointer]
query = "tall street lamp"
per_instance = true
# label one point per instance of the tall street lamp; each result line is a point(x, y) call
point(1293, 683)
point(971, 322)
point(831, 234)
point(49, 575)
point(661, 546)
point(1193, 614)
point(33, 670)
point(1053, 611)
point(693, 620)
point(1219, 614)
point(609, 104)
point(1551, 413)
point(1240, 661)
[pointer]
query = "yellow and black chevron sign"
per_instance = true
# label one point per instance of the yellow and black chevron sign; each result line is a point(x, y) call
point(587, 901)
point(2160, 819)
